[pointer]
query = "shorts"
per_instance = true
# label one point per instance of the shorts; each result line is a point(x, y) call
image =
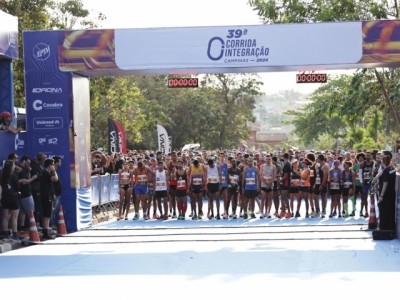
point(27, 204)
point(265, 189)
point(151, 192)
point(212, 188)
point(305, 189)
point(275, 186)
point(125, 186)
point(318, 192)
point(180, 193)
point(141, 189)
point(161, 194)
point(10, 202)
point(250, 193)
point(365, 188)
point(197, 189)
point(357, 190)
point(346, 191)
point(293, 190)
point(47, 205)
point(223, 188)
point(334, 192)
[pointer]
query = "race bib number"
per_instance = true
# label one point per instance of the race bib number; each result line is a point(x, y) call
point(317, 180)
point(181, 184)
point(347, 184)
point(335, 185)
point(295, 182)
point(250, 181)
point(212, 179)
point(161, 184)
point(197, 181)
point(234, 179)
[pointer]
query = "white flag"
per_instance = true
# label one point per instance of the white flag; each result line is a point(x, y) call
point(163, 140)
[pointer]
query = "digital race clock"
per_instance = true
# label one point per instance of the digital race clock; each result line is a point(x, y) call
point(312, 78)
point(183, 82)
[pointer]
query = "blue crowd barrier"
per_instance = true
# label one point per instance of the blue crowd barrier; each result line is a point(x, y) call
point(104, 190)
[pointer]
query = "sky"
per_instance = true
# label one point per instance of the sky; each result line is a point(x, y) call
point(210, 259)
point(184, 13)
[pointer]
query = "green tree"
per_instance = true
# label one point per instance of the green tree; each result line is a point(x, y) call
point(235, 98)
point(365, 91)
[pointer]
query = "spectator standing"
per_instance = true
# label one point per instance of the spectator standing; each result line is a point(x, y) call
point(57, 191)
point(47, 194)
point(37, 169)
point(10, 200)
point(387, 196)
point(25, 179)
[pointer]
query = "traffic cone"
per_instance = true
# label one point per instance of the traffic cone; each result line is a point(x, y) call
point(33, 232)
point(61, 229)
point(372, 222)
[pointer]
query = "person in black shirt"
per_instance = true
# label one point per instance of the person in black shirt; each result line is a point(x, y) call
point(387, 196)
point(9, 199)
point(47, 195)
point(57, 191)
point(25, 179)
point(37, 169)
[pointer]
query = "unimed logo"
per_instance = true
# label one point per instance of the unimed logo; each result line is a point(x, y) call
point(41, 51)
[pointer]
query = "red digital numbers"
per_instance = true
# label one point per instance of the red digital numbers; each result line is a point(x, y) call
point(183, 82)
point(311, 78)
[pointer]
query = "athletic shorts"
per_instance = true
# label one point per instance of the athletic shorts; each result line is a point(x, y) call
point(357, 190)
point(318, 192)
point(250, 193)
point(212, 188)
point(125, 186)
point(293, 190)
point(180, 193)
point(346, 191)
point(305, 189)
point(196, 189)
point(365, 188)
point(161, 194)
point(334, 192)
point(267, 190)
point(141, 189)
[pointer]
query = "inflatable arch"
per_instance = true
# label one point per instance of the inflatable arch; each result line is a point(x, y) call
point(59, 63)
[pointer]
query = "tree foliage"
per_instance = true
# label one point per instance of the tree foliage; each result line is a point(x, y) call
point(343, 105)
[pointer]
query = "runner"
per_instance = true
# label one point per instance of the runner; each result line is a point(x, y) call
point(321, 186)
point(161, 190)
point(366, 170)
point(335, 180)
point(294, 186)
point(233, 188)
point(224, 182)
point(172, 166)
point(276, 190)
point(213, 188)
point(196, 186)
point(125, 183)
point(348, 185)
point(310, 158)
point(181, 190)
point(141, 189)
point(267, 177)
point(151, 198)
point(284, 186)
point(251, 187)
point(305, 187)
